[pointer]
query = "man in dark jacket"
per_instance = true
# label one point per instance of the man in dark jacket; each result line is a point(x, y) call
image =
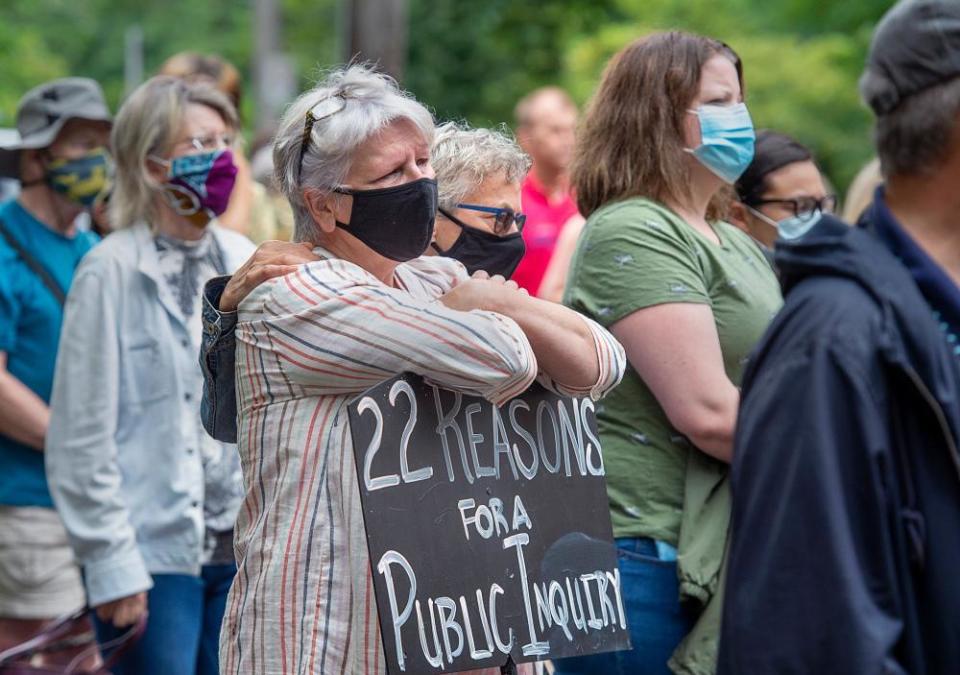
point(845, 553)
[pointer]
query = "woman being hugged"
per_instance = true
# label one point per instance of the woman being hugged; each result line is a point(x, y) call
point(353, 158)
point(688, 295)
point(148, 499)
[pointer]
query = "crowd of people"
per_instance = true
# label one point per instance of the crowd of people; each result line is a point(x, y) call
point(777, 388)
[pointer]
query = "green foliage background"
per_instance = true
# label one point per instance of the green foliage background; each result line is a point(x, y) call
point(473, 59)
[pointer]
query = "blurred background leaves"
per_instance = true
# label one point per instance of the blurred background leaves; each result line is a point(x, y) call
point(473, 60)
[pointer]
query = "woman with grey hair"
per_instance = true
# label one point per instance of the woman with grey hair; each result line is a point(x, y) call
point(353, 158)
point(148, 499)
point(479, 173)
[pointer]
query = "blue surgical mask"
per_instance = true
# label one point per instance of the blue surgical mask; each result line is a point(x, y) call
point(793, 227)
point(726, 140)
point(797, 226)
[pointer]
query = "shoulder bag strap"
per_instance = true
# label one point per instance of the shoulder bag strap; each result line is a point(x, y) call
point(34, 266)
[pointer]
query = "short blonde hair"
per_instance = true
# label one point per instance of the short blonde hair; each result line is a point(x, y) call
point(147, 124)
point(463, 158)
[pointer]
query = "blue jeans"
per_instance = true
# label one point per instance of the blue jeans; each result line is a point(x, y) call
point(183, 628)
point(656, 620)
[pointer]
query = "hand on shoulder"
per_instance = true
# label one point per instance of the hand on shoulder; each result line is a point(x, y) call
point(271, 259)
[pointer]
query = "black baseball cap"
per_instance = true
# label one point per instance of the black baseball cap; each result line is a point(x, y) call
point(916, 46)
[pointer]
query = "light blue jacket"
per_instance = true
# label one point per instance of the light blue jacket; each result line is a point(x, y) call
point(122, 459)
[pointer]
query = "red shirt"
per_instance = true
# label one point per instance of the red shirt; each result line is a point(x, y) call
point(545, 219)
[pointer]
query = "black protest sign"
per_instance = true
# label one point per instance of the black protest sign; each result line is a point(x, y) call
point(488, 528)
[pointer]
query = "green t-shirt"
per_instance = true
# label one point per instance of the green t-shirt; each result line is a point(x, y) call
point(635, 254)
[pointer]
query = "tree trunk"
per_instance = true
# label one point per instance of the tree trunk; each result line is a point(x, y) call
point(377, 32)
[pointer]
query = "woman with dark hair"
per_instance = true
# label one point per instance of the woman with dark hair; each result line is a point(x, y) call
point(688, 295)
point(782, 189)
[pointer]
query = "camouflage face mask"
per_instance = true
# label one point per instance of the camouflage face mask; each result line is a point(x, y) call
point(80, 179)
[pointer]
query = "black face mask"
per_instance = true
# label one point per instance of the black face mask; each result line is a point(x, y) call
point(481, 250)
point(396, 222)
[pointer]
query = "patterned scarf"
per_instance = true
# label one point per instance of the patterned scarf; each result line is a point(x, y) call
point(186, 265)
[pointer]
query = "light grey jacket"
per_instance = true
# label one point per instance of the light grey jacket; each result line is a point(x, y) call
point(122, 455)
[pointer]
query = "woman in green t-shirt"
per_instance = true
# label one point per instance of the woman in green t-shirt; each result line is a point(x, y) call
point(688, 295)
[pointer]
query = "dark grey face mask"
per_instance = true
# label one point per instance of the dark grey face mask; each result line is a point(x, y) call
point(481, 250)
point(396, 222)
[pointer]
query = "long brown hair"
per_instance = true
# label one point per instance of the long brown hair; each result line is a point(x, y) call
point(630, 142)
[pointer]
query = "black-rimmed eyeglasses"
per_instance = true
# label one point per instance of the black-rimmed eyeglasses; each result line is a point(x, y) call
point(802, 206)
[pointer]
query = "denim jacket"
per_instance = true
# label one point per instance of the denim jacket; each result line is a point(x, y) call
point(218, 408)
point(123, 454)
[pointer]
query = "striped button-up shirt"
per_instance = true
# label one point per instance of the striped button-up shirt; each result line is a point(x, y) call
point(307, 344)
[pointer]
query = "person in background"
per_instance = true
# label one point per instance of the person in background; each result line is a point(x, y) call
point(148, 499)
point(846, 474)
point(780, 191)
point(272, 219)
point(250, 212)
point(100, 212)
point(546, 120)
point(688, 295)
point(60, 158)
point(478, 171)
point(555, 278)
point(209, 69)
point(861, 191)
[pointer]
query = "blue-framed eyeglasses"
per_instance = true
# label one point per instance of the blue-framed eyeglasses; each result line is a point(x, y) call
point(505, 217)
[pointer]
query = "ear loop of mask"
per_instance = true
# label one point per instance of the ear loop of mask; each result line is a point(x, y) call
point(456, 221)
point(174, 194)
point(44, 154)
point(764, 218)
point(336, 195)
point(695, 113)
